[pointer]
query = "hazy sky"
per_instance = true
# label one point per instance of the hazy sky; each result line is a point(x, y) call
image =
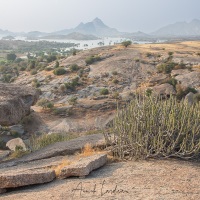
point(125, 15)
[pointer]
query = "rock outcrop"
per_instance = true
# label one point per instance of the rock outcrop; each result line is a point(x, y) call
point(164, 89)
point(15, 103)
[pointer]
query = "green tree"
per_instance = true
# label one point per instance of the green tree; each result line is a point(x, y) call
point(126, 43)
point(11, 57)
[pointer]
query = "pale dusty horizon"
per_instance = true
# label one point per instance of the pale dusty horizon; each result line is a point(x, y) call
point(126, 15)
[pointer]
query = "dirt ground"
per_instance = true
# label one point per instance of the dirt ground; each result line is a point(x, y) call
point(149, 180)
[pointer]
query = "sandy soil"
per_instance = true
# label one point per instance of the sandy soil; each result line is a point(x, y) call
point(152, 180)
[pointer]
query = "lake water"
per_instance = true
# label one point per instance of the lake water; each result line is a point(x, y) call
point(86, 44)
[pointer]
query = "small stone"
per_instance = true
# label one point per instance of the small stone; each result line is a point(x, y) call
point(12, 144)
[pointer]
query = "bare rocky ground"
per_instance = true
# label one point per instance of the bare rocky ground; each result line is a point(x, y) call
point(134, 68)
point(123, 71)
point(160, 180)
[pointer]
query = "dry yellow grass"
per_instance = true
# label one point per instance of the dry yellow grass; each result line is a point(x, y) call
point(58, 168)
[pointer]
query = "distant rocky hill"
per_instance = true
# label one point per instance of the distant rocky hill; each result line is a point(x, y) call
point(72, 36)
point(95, 27)
point(180, 29)
point(5, 32)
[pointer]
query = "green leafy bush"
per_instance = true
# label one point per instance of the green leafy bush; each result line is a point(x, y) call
point(74, 67)
point(153, 127)
point(104, 91)
point(59, 71)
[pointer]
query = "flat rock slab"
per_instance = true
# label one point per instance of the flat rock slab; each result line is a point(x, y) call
point(60, 149)
point(148, 180)
point(29, 177)
point(84, 166)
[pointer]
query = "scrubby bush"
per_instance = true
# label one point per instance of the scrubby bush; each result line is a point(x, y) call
point(115, 81)
point(45, 104)
point(48, 68)
point(170, 53)
point(166, 67)
point(172, 81)
point(72, 100)
point(148, 92)
point(62, 88)
point(114, 73)
point(153, 127)
point(104, 91)
point(57, 64)
point(182, 91)
point(33, 72)
point(59, 71)
point(74, 67)
point(36, 83)
point(72, 85)
point(149, 54)
point(92, 59)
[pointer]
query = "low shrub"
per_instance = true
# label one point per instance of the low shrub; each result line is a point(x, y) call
point(92, 59)
point(166, 67)
point(104, 91)
point(181, 91)
point(33, 72)
point(114, 73)
point(73, 84)
point(172, 81)
point(115, 81)
point(74, 67)
point(45, 104)
point(59, 71)
point(72, 100)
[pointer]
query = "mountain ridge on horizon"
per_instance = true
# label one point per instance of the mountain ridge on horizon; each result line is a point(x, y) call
point(97, 28)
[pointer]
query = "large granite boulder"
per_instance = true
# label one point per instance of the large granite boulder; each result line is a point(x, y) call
point(164, 89)
point(191, 79)
point(15, 103)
